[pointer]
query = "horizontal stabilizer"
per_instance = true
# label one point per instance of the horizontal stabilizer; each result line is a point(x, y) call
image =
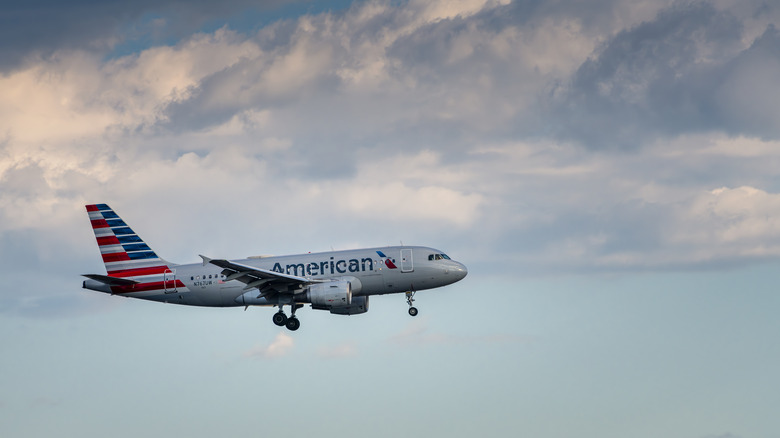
point(111, 281)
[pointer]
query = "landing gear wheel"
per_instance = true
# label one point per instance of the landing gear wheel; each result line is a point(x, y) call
point(293, 324)
point(410, 300)
point(280, 319)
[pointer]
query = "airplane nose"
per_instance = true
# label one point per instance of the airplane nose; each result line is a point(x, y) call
point(460, 271)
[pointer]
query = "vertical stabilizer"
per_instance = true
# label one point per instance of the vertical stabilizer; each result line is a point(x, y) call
point(124, 253)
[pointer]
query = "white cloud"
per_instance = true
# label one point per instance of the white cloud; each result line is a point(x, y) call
point(432, 11)
point(742, 147)
point(73, 96)
point(281, 346)
point(394, 200)
point(744, 217)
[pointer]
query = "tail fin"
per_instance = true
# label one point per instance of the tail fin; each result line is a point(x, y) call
point(124, 253)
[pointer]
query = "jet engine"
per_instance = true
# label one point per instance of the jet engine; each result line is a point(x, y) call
point(336, 297)
point(359, 305)
point(330, 294)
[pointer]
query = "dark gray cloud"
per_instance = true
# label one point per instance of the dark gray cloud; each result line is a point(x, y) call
point(748, 98)
point(40, 27)
point(686, 71)
point(440, 91)
point(453, 76)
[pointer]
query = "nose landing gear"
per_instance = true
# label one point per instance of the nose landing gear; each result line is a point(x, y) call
point(410, 300)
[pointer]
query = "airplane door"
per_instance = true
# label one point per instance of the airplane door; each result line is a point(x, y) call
point(169, 281)
point(407, 264)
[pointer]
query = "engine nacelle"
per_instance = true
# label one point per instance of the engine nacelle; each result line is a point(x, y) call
point(330, 294)
point(359, 305)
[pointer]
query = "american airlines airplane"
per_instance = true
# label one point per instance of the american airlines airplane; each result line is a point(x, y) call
point(338, 281)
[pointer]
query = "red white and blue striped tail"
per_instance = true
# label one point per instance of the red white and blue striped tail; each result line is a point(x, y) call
point(124, 253)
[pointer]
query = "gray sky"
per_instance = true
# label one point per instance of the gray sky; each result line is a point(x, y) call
point(607, 171)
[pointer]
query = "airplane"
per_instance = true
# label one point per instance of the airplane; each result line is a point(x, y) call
point(340, 282)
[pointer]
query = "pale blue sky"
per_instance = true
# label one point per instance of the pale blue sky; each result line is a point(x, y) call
point(607, 173)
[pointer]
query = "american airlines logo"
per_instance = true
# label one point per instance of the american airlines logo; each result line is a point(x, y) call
point(388, 262)
point(334, 266)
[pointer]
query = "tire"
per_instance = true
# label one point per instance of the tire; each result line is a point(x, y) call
point(280, 319)
point(413, 311)
point(293, 324)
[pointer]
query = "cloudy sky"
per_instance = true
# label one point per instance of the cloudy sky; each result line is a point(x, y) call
point(607, 170)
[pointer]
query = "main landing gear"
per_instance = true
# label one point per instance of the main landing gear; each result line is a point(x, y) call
point(292, 322)
point(410, 300)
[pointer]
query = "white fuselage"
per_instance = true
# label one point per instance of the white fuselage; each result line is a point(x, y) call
point(404, 268)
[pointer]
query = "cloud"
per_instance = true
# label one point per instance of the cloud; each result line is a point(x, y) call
point(421, 188)
point(747, 98)
point(281, 346)
point(34, 30)
point(73, 97)
point(560, 208)
point(424, 72)
point(688, 70)
point(740, 221)
point(721, 226)
point(651, 77)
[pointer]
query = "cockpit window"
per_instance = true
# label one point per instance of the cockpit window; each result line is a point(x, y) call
point(438, 257)
point(446, 257)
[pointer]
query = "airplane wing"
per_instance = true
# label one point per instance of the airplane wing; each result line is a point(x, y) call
point(266, 281)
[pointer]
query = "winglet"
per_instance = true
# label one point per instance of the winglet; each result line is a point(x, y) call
point(206, 260)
